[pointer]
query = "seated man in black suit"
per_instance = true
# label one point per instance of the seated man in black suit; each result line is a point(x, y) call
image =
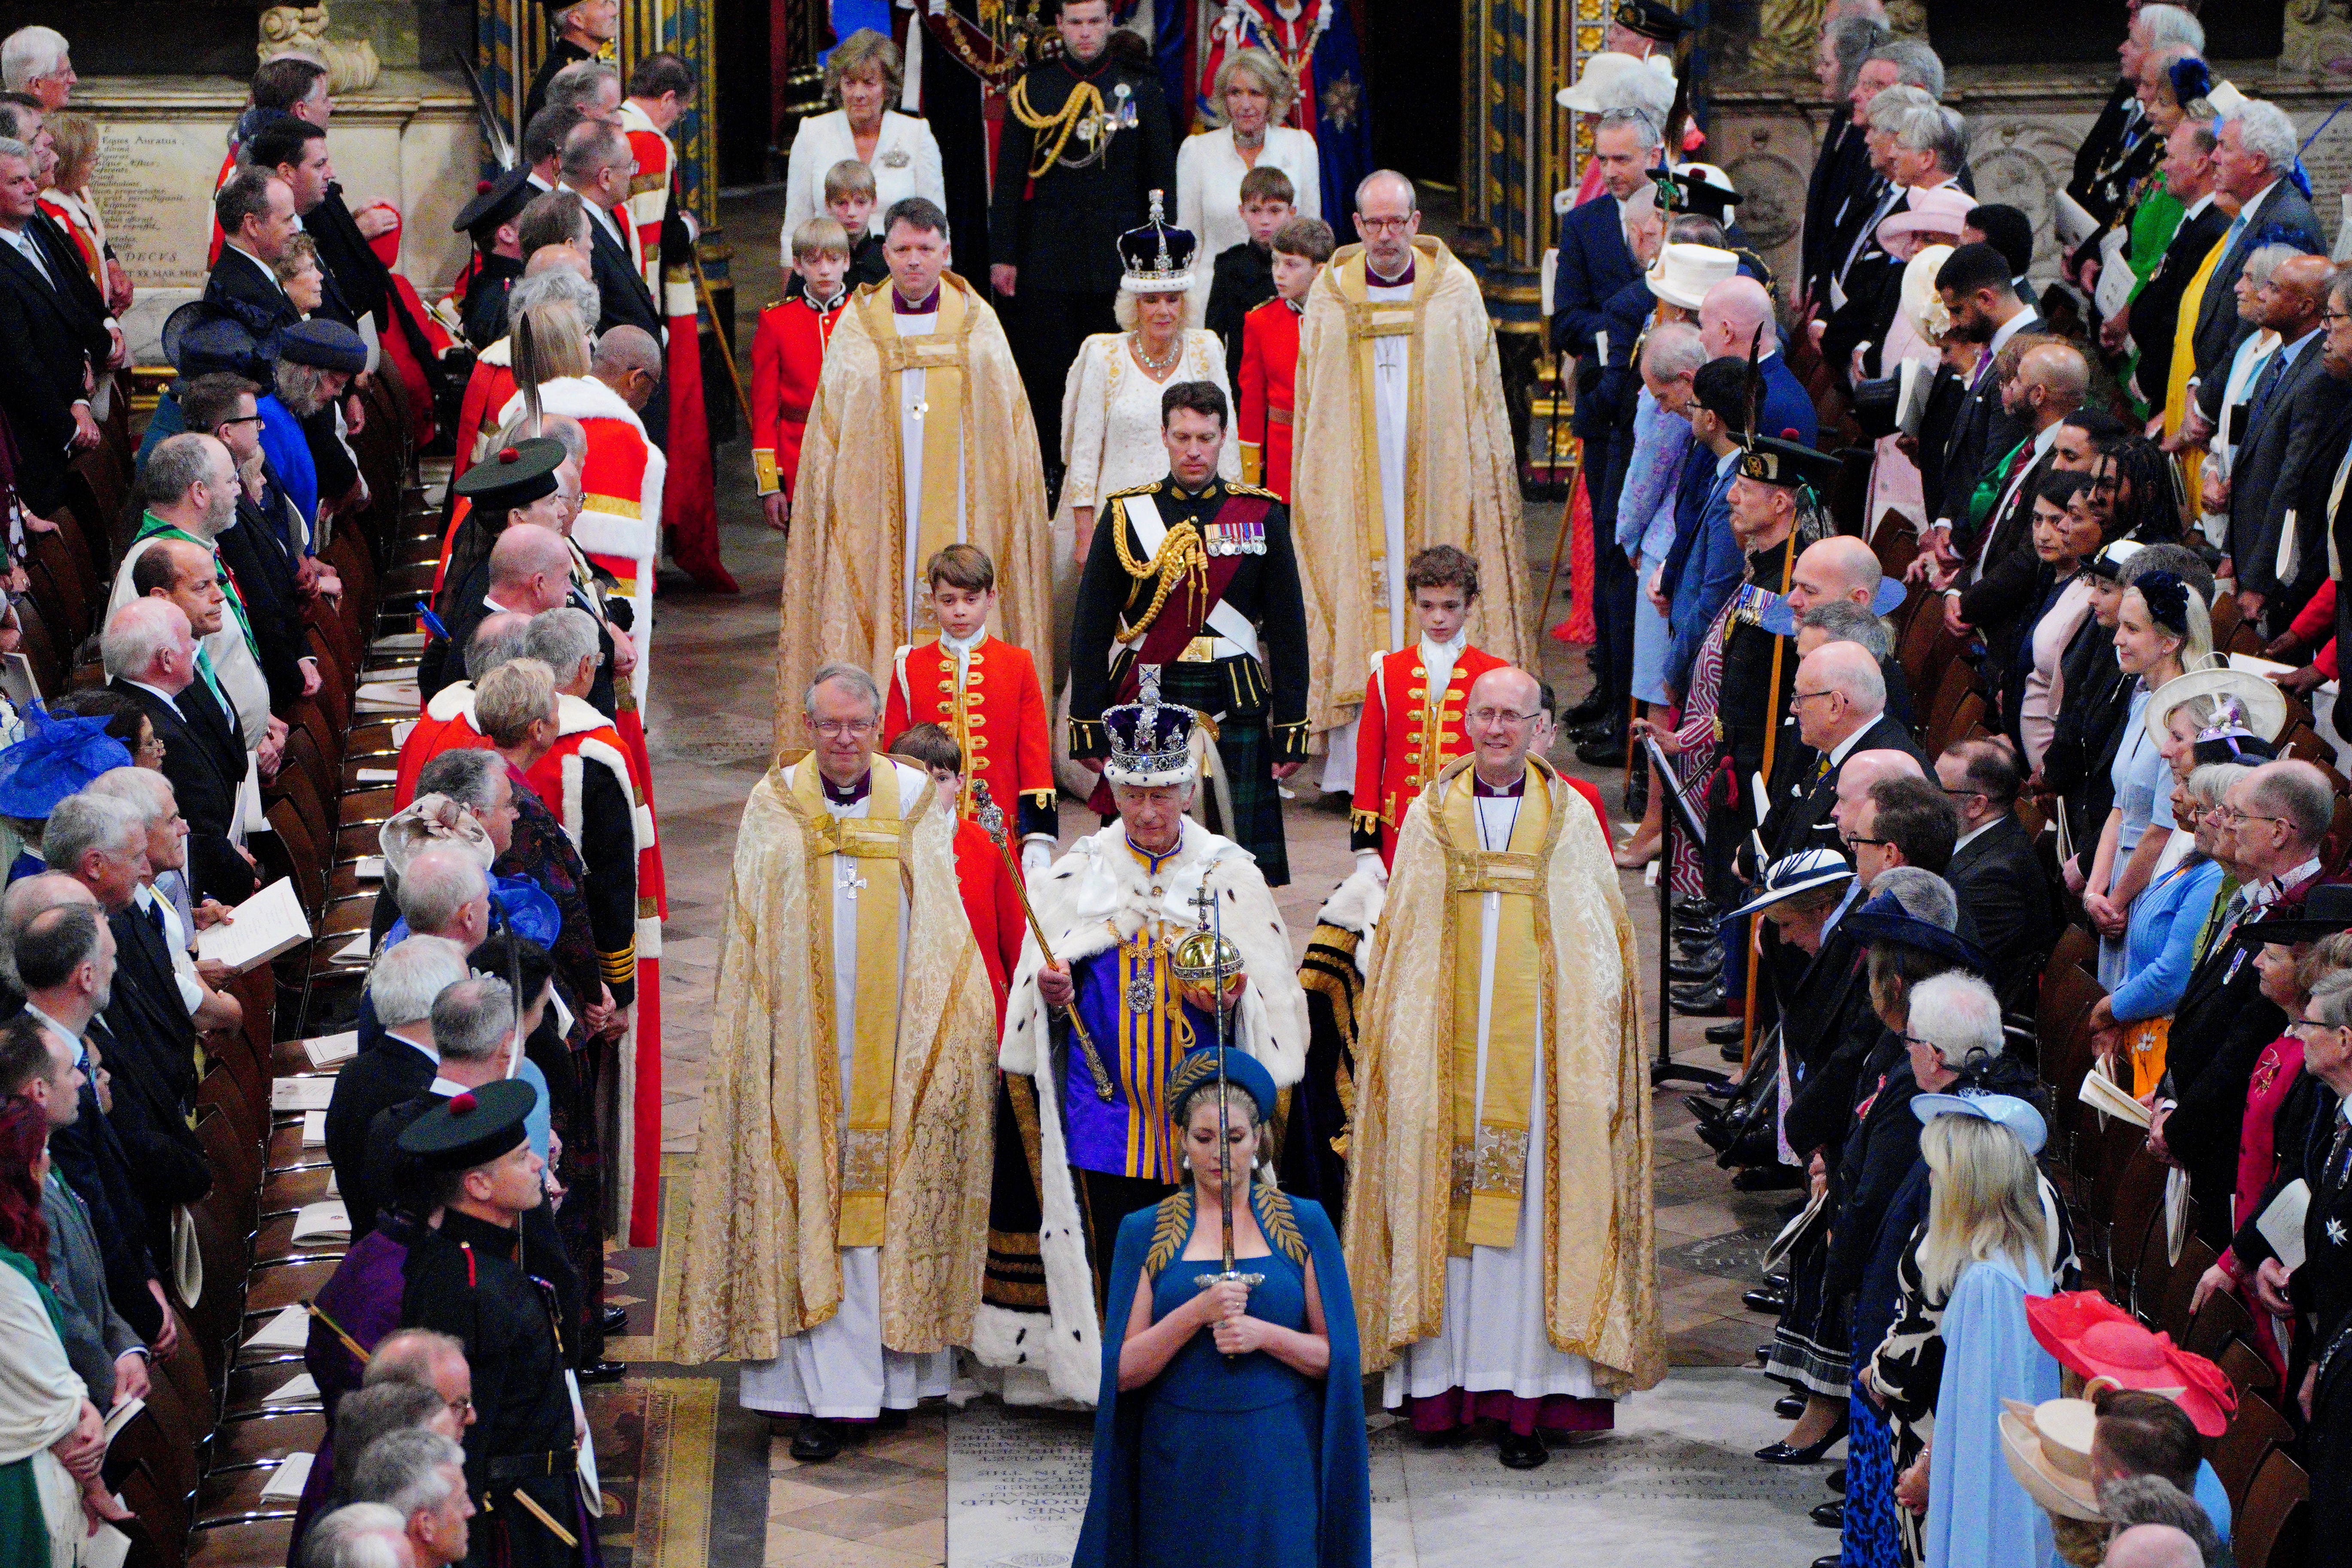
point(1994, 870)
point(255, 209)
point(1975, 286)
point(399, 1066)
point(54, 327)
point(150, 656)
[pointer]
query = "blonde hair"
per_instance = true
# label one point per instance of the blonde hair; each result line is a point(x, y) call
point(862, 51)
point(1265, 74)
point(1985, 1201)
point(820, 235)
point(76, 136)
point(850, 177)
point(1122, 310)
point(512, 698)
point(2195, 651)
point(548, 342)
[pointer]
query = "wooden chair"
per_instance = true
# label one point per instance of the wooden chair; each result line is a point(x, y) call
point(2220, 1322)
point(2256, 1428)
point(2270, 1526)
point(2173, 1315)
point(2247, 1370)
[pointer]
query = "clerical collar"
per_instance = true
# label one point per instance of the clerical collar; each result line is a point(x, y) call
point(1153, 862)
point(847, 795)
point(928, 305)
point(1374, 280)
point(1480, 788)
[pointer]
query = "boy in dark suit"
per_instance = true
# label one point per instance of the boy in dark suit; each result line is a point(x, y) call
point(1245, 274)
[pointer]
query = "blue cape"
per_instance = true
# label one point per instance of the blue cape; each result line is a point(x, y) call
point(1344, 1504)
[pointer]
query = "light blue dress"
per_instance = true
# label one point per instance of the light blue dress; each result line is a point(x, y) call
point(2143, 787)
point(1978, 1515)
point(1645, 521)
point(2159, 948)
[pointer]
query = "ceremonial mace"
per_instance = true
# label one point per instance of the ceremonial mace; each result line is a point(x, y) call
point(1205, 958)
point(992, 822)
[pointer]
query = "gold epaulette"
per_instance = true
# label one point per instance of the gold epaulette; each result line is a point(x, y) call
point(1150, 489)
point(1243, 487)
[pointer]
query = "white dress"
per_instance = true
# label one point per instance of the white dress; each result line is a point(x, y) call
point(1492, 1338)
point(40, 1402)
point(1209, 192)
point(906, 163)
point(840, 1370)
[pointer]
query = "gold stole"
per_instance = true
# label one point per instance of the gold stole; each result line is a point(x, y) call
point(1368, 319)
point(879, 836)
point(1490, 1138)
point(939, 355)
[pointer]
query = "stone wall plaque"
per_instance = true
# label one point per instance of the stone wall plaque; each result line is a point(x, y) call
point(155, 183)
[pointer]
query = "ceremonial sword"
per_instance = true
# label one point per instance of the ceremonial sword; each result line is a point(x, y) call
point(1219, 970)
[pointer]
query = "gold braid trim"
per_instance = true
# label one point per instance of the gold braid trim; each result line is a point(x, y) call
point(1181, 555)
point(1084, 99)
point(1276, 1222)
point(1168, 1235)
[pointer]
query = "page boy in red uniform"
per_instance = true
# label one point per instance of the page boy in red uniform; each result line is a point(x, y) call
point(1270, 354)
point(788, 355)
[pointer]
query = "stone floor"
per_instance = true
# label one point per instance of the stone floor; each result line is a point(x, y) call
point(707, 723)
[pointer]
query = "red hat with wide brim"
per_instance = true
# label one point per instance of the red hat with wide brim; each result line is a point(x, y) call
point(2101, 1343)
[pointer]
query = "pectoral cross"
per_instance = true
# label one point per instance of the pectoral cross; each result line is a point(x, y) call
point(850, 882)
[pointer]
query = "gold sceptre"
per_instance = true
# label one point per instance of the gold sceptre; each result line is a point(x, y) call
point(992, 822)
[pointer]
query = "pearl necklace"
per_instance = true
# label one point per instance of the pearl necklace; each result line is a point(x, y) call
point(1175, 353)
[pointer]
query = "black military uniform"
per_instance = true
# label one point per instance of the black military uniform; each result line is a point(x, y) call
point(1243, 280)
point(561, 52)
point(1227, 545)
point(470, 1278)
point(1084, 148)
point(497, 203)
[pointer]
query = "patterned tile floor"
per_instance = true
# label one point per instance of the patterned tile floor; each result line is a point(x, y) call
point(708, 724)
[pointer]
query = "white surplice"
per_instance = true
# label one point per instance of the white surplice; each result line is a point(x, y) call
point(840, 1370)
point(40, 1402)
point(1493, 1336)
point(912, 410)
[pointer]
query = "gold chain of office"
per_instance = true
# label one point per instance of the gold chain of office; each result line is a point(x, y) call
point(1086, 101)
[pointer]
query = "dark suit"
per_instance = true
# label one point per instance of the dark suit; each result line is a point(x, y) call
point(148, 1043)
point(1800, 815)
point(1593, 265)
point(626, 301)
point(485, 309)
point(1243, 280)
point(88, 1154)
point(2280, 218)
point(1982, 432)
point(2286, 465)
point(2120, 124)
point(1999, 881)
point(248, 289)
point(197, 752)
point(95, 1333)
point(2007, 588)
point(2156, 308)
point(379, 1076)
point(1841, 172)
point(255, 555)
point(54, 329)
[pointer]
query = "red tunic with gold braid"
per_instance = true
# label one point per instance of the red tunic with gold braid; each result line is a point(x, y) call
point(1269, 368)
point(787, 356)
point(1407, 735)
point(648, 200)
point(587, 741)
point(997, 715)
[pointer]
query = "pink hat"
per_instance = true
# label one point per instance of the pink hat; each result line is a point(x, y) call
point(2098, 1341)
point(1929, 212)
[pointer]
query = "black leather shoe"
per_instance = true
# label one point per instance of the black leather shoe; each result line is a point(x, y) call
point(1835, 1481)
point(1768, 1179)
point(1593, 730)
point(1782, 1454)
point(890, 1421)
point(617, 1320)
point(1727, 1034)
point(1829, 1515)
point(1606, 751)
point(1789, 1406)
point(1772, 1303)
point(1520, 1453)
point(603, 1372)
point(1700, 1000)
point(816, 1442)
point(1693, 973)
point(1831, 1561)
point(1596, 705)
point(1732, 1051)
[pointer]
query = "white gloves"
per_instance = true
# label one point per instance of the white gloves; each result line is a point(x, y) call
point(1037, 855)
point(1369, 860)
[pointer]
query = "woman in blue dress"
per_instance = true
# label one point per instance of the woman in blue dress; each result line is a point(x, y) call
point(1233, 1402)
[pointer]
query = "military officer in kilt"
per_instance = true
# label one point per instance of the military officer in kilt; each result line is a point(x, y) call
point(469, 1275)
point(1195, 574)
point(1087, 140)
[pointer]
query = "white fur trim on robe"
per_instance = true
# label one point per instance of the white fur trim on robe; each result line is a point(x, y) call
point(1092, 898)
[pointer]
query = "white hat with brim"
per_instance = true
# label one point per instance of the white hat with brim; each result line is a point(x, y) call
point(2262, 702)
point(1612, 80)
point(1684, 273)
point(2039, 1441)
point(1922, 306)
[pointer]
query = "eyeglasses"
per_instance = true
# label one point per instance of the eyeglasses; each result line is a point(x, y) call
point(1881, 842)
point(1502, 716)
point(2301, 1030)
point(843, 729)
point(460, 1409)
point(2233, 817)
point(1384, 225)
point(242, 419)
point(1797, 697)
point(2328, 316)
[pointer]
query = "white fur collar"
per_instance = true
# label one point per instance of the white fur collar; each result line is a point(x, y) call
point(454, 700)
point(580, 397)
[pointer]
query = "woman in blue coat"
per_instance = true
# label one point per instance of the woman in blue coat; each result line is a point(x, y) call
point(1239, 1401)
